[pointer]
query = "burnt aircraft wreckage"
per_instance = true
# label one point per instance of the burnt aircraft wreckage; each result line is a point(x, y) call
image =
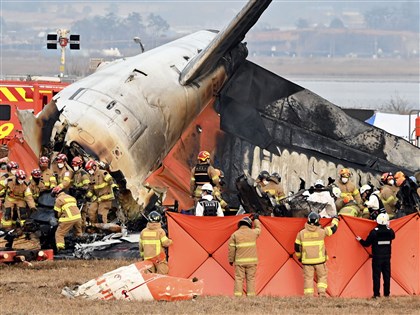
point(147, 117)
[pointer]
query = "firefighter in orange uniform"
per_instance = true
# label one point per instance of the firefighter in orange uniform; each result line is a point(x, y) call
point(347, 188)
point(389, 193)
point(243, 254)
point(100, 192)
point(17, 195)
point(153, 239)
point(79, 186)
point(310, 250)
point(68, 215)
point(48, 179)
point(62, 171)
point(35, 183)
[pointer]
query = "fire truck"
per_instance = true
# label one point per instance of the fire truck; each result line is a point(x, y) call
point(32, 94)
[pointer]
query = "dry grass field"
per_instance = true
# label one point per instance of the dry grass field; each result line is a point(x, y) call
point(36, 290)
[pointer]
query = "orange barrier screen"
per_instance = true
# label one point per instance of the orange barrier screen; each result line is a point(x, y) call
point(200, 250)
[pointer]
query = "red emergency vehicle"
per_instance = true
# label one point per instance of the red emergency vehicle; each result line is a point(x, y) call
point(32, 94)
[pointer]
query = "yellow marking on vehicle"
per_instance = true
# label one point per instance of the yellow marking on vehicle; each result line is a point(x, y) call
point(22, 93)
point(10, 97)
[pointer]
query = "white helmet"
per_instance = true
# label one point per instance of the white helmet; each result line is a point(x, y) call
point(207, 187)
point(365, 188)
point(382, 219)
point(319, 182)
point(336, 192)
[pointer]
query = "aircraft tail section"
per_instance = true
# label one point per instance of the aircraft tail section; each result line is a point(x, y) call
point(225, 40)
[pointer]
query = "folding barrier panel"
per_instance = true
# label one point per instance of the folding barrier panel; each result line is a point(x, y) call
point(200, 249)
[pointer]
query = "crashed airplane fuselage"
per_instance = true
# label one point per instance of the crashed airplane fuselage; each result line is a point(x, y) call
point(130, 113)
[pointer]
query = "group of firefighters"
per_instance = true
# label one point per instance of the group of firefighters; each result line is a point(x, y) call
point(74, 186)
point(82, 195)
point(398, 196)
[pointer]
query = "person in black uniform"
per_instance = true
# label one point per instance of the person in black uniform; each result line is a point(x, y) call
point(380, 238)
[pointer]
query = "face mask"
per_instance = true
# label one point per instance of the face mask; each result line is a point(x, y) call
point(36, 180)
point(391, 182)
point(60, 165)
point(13, 172)
point(265, 182)
point(91, 172)
point(20, 181)
point(344, 180)
point(76, 168)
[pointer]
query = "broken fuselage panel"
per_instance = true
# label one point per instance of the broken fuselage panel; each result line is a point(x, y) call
point(131, 113)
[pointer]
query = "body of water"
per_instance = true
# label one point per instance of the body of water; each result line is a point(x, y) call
point(367, 94)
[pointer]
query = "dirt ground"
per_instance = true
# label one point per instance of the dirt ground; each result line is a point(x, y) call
point(36, 290)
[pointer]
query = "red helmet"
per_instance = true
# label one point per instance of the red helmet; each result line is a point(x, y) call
point(203, 156)
point(12, 165)
point(56, 190)
point(386, 177)
point(20, 174)
point(36, 173)
point(44, 161)
point(61, 158)
point(91, 165)
point(77, 161)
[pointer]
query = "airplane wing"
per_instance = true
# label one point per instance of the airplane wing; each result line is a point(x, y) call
point(224, 42)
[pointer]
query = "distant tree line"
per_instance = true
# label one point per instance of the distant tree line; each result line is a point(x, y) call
point(114, 28)
point(402, 18)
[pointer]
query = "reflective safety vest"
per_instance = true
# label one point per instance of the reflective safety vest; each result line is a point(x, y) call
point(210, 207)
point(201, 174)
point(243, 245)
point(66, 207)
point(310, 243)
point(152, 240)
point(351, 210)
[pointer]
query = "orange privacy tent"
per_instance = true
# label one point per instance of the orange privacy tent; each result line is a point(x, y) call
point(200, 249)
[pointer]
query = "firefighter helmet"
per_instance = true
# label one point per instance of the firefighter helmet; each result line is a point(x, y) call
point(36, 173)
point(399, 178)
point(313, 218)
point(56, 190)
point(61, 158)
point(386, 177)
point(155, 217)
point(263, 175)
point(20, 174)
point(12, 165)
point(91, 165)
point(207, 188)
point(203, 156)
point(336, 192)
point(365, 188)
point(44, 161)
point(344, 172)
point(77, 161)
point(382, 219)
point(245, 221)
point(276, 175)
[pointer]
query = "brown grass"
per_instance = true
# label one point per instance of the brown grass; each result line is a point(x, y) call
point(36, 290)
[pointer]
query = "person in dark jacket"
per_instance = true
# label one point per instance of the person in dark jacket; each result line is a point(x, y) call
point(380, 238)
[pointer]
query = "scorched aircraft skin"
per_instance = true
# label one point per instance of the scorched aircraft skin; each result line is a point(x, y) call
point(131, 112)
